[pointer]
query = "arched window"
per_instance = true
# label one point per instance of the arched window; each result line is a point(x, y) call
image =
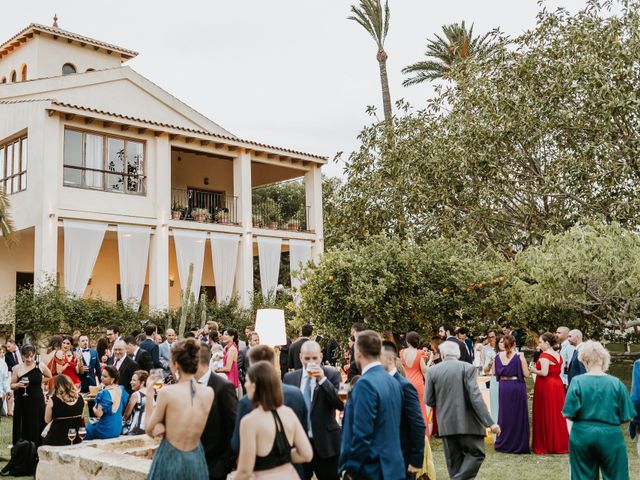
point(23, 72)
point(4, 79)
point(13, 76)
point(68, 69)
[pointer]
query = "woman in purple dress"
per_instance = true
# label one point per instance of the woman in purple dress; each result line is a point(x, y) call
point(513, 417)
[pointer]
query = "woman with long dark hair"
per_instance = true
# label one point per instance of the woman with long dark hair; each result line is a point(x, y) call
point(230, 358)
point(271, 436)
point(179, 415)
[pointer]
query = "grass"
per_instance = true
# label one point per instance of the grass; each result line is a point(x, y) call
point(534, 467)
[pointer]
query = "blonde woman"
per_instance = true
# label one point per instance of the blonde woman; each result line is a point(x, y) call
point(63, 411)
point(598, 404)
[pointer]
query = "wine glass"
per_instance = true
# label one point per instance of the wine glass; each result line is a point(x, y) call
point(71, 435)
point(82, 432)
point(158, 378)
point(25, 382)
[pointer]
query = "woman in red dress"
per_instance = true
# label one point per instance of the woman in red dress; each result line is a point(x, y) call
point(414, 363)
point(66, 362)
point(550, 433)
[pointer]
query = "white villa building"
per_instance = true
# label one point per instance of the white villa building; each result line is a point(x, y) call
point(117, 187)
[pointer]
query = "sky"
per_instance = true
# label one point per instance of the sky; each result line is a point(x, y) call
point(292, 73)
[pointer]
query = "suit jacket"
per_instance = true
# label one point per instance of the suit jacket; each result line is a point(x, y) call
point(93, 376)
point(243, 366)
point(371, 429)
point(325, 402)
point(353, 366)
point(143, 358)
point(452, 389)
point(292, 398)
point(216, 437)
point(464, 353)
point(125, 372)
point(576, 367)
point(294, 354)
point(412, 427)
point(153, 349)
point(10, 361)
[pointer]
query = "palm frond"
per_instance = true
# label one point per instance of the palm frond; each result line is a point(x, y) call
point(374, 18)
point(6, 224)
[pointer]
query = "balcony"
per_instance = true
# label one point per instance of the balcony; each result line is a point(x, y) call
point(203, 206)
point(268, 213)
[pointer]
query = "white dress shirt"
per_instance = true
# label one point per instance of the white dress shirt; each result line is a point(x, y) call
point(204, 379)
point(566, 352)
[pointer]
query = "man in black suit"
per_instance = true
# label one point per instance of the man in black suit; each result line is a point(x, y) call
point(12, 357)
point(319, 386)
point(294, 350)
point(216, 437)
point(292, 398)
point(123, 364)
point(354, 369)
point(447, 333)
point(138, 355)
point(150, 345)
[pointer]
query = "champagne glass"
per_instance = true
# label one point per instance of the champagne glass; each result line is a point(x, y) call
point(25, 382)
point(158, 378)
point(82, 432)
point(71, 435)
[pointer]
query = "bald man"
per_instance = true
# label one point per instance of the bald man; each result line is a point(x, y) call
point(123, 364)
point(566, 352)
point(319, 386)
point(165, 349)
point(575, 366)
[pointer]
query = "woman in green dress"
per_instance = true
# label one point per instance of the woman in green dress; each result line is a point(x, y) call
point(598, 404)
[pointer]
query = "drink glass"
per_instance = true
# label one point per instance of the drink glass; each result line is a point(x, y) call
point(158, 378)
point(25, 382)
point(311, 368)
point(343, 391)
point(82, 432)
point(71, 435)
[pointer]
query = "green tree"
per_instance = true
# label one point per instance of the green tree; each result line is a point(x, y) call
point(533, 137)
point(587, 276)
point(374, 18)
point(6, 225)
point(443, 55)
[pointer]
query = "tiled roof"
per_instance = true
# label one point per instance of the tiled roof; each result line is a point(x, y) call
point(186, 129)
point(126, 53)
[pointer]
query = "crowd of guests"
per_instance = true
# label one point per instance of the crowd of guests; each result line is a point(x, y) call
point(224, 405)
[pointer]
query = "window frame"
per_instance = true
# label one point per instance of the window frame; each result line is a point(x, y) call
point(142, 190)
point(18, 177)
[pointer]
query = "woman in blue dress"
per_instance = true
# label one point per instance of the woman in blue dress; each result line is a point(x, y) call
point(108, 407)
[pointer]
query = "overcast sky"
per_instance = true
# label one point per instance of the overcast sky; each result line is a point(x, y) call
point(293, 73)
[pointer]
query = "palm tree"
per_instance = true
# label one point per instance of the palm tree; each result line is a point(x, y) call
point(443, 54)
point(6, 225)
point(375, 20)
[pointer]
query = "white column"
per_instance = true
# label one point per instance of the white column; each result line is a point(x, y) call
point(313, 191)
point(159, 247)
point(242, 190)
point(45, 142)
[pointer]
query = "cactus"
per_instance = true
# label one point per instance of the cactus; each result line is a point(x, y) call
point(186, 301)
point(203, 310)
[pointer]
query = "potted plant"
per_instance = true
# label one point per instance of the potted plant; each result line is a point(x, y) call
point(201, 215)
point(293, 225)
point(271, 214)
point(222, 215)
point(257, 220)
point(176, 210)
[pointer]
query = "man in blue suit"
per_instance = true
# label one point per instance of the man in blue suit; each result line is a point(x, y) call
point(575, 367)
point(90, 374)
point(412, 426)
point(150, 345)
point(371, 429)
point(293, 399)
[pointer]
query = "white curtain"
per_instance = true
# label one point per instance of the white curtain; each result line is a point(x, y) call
point(269, 258)
point(133, 253)
point(299, 256)
point(224, 253)
point(82, 241)
point(190, 250)
point(94, 159)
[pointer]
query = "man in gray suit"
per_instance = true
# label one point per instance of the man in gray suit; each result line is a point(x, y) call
point(452, 389)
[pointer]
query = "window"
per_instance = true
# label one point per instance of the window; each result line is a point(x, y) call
point(13, 165)
point(103, 162)
point(4, 79)
point(23, 72)
point(13, 76)
point(68, 68)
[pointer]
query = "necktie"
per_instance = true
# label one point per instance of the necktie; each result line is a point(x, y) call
point(308, 395)
point(15, 357)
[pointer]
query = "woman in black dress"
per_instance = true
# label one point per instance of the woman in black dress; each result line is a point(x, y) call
point(26, 382)
point(64, 411)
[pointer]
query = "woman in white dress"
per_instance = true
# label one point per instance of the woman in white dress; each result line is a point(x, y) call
point(5, 389)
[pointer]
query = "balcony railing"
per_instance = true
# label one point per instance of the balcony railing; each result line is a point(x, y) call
point(203, 206)
point(269, 214)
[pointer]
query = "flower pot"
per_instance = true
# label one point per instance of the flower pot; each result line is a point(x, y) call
point(200, 218)
point(175, 215)
point(273, 225)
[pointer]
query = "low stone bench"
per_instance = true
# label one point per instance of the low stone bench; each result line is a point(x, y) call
point(122, 458)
